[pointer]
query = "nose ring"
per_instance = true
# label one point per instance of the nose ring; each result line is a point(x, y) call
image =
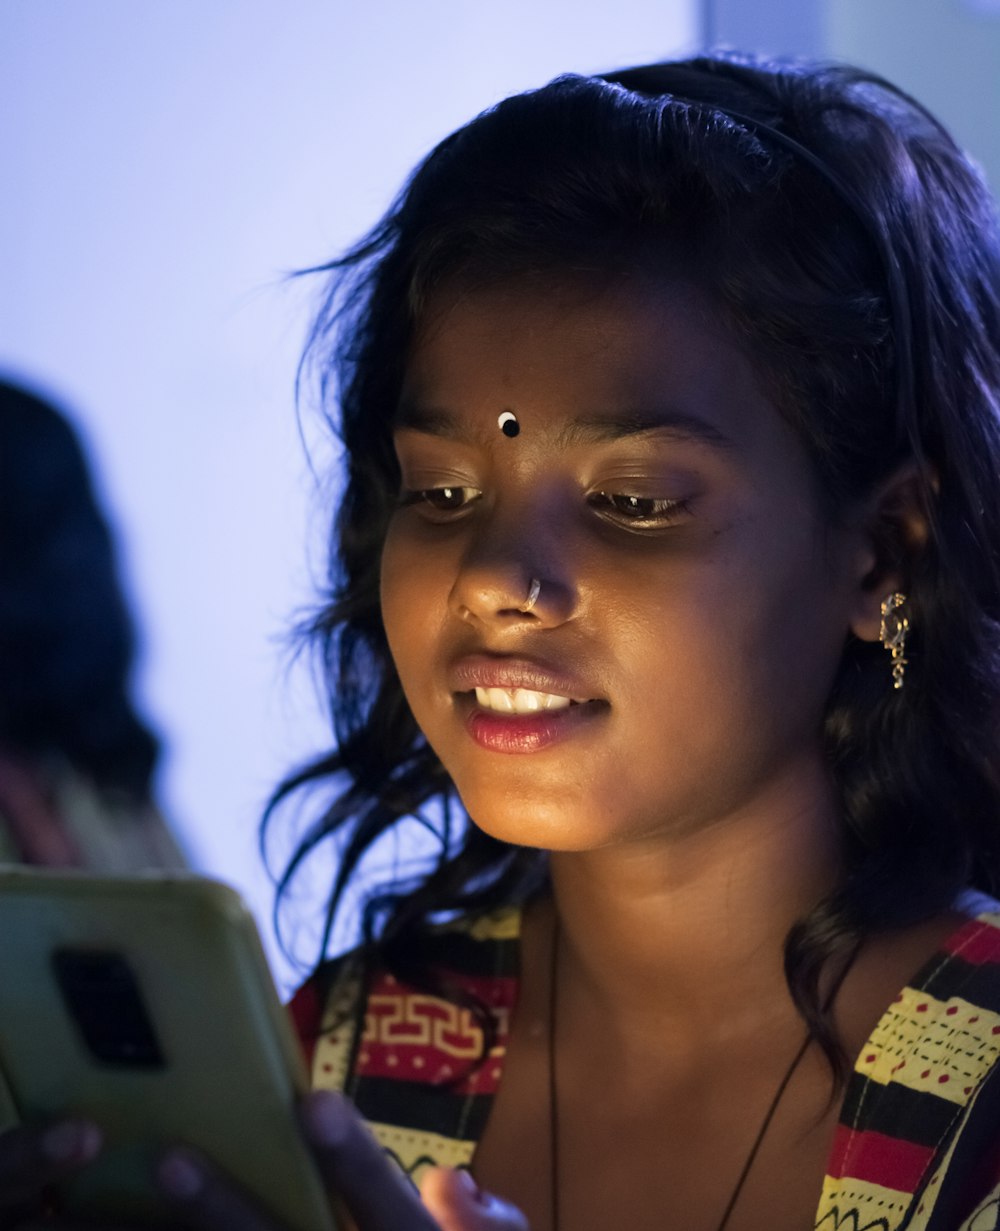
point(533, 592)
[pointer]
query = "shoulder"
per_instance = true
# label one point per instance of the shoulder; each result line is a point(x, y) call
point(920, 1124)
point(940, 1038)
point(966, 969)
point(968, 1177)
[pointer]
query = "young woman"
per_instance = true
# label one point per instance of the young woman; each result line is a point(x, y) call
point(665, 398)
point(665, 590)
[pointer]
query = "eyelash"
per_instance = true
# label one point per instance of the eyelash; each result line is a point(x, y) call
point(427, 495)
point(637, 512)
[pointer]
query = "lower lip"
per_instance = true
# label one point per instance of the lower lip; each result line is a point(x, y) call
point(520, 733)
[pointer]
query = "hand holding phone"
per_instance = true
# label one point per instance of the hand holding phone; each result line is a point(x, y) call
point(350, 1161)
point(145, 1005)
point(143, 1009)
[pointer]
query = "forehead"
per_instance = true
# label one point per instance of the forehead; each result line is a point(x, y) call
point(591, 355)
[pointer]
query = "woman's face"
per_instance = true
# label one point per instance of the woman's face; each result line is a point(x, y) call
point(693, 603)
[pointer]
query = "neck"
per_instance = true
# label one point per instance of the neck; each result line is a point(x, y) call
point(671, 929)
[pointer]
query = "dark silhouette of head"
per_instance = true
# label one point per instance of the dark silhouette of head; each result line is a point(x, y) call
point(66, 639)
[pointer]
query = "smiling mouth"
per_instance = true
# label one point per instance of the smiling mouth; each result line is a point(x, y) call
point(520, 700)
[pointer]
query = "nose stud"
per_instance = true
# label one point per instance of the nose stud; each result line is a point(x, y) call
point(533, 592)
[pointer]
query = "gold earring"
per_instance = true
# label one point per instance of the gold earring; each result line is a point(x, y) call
point(893, 633)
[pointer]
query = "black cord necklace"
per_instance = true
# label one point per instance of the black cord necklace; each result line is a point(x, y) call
point(554, 1213)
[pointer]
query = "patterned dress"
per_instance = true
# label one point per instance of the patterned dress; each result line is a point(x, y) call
point(917, 1146)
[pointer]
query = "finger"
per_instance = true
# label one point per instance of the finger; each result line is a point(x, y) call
point(203, 1198)
point(377, 1194)
point(32, 1158)
point(459, 1204)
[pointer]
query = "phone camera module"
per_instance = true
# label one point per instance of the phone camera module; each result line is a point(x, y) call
point(105, 1001)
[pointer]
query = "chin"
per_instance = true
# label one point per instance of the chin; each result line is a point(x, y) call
point(527, 822)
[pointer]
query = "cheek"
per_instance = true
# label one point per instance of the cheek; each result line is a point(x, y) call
point(782, 629)
point(414, 589)
point(393, 581)
point(755, 631)
point(400, 597)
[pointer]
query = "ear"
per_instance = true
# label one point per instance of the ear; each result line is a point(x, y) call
point(894, 526)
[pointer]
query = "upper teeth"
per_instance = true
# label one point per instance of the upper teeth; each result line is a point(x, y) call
point(519, 700)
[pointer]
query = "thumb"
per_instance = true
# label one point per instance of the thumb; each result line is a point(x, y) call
point(377, 1194)
point(458, 1204)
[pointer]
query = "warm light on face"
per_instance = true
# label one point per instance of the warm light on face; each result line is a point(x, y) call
point(692, 603)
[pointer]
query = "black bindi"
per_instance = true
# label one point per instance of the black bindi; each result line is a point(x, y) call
point(508, 424)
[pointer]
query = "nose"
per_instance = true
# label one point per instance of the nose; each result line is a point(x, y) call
point(518, 573)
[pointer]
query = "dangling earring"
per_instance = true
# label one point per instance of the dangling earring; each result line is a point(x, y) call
point(892, 634)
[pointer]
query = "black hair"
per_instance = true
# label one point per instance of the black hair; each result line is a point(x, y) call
point(853, 250)
point(66, 639)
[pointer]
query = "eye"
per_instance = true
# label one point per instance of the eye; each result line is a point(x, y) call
point(440, 500)
point(638, 511)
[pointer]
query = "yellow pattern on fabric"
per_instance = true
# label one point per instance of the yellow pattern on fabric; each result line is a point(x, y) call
point(853, 1205)
point(415, 1150)
point(928, 1045)
point(500, 925)
point(335, 1045)
point(978, 1220)
point(412, 1149)
point(416, 1019)
point(933, 1043)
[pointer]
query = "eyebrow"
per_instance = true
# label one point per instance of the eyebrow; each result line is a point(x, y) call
point(587, 429)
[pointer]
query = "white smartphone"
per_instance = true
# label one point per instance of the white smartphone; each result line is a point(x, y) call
point(146, 1004)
